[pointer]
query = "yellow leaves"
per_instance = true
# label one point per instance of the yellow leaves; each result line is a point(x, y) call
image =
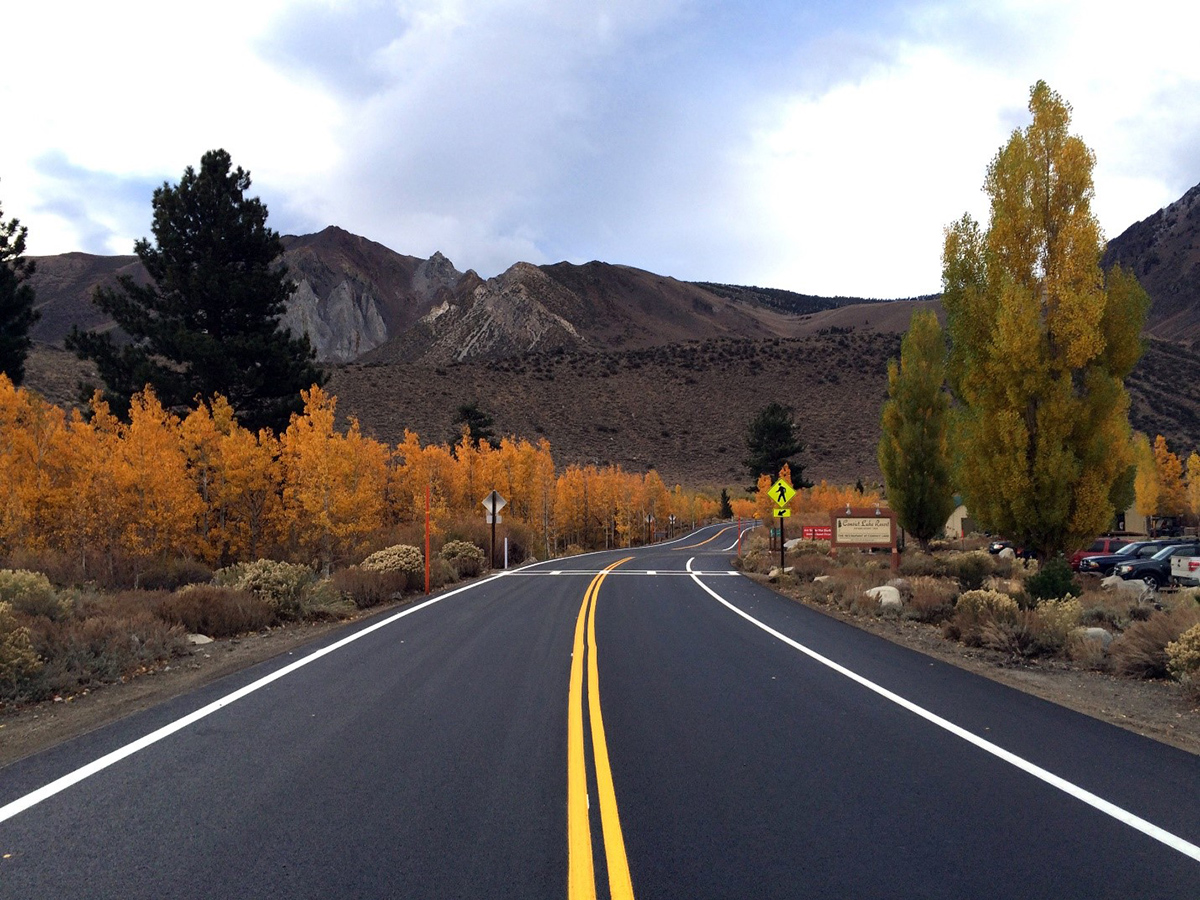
point(1172, 497)
point(1145, 485)
point(205, 486)
point(1040, 344)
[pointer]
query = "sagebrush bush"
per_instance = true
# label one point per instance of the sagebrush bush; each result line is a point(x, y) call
point(1142, 650)
point(977, 610)
point(282, 585)
point(101, 648)
point(466, 558)
point(932, 599)
point(1053, 581)
point(32, 593)
point(397, 558)
point(216, 611)
point(323, 601)
point(914, 564)
point(970, 569)
point(441, 573)
point(1183, 655)
point(807, 566)
point(1052, 622)
point(365, 588)
point(18, 660)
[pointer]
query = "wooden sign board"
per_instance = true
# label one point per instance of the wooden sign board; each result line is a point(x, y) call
point(864, 528)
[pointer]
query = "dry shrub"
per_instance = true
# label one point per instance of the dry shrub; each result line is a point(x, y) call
point(61, 568)
point(1142, 650)
point(1088, 652)
point(282, 585)
point(32, 594)
point(102, 648)
point(976, 610)
point(18, 659)
point(970, 569)
point(932, 599)
point(322, 601)
point(467, 559)
point(441, 573)
point(914, 564)
point(365, 588)
point(397, 558)
point(760, 561)
point(1051, 624)
point(174, 574)
point(1183, 661)
point(1104, 609)
point(216, 611)
point(1013, 636)
point(807, 566)
point(847, 589)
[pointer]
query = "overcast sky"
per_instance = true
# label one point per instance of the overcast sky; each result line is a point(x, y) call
point(816, 146)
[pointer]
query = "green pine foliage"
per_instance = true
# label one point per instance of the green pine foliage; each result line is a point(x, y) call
point(17, 314)
point(772, 441)
point(209, 320)
point(913, 451)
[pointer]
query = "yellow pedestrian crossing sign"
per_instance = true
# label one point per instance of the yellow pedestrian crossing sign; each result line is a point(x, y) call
point(781, 513)
point(782, 493)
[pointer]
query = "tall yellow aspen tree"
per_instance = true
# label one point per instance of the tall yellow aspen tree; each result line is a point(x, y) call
point(1041, 342)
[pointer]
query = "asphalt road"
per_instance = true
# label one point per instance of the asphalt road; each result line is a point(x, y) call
point(609, 725)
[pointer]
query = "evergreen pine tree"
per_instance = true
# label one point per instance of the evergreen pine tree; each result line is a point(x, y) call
point(209, 322)
point(772, 442)
point(480, 425)
point(17, 314)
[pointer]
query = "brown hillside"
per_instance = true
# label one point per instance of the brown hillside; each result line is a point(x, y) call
point(1163, 251)
point(63, 288)
point(681, 409)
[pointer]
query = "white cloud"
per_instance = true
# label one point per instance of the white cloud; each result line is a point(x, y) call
point(816, 147)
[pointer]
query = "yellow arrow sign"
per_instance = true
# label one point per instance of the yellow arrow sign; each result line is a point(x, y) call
point(782, 493)
point(781, 513)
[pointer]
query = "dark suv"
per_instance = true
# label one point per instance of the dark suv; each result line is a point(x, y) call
point(1105, 565)
point(1156, 571)
point(1105, 546)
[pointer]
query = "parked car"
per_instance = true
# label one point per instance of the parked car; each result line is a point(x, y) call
point(996, 546)
point(1156, 571)
point(1105, 565)
point(1185, 571)
point(1105, 546)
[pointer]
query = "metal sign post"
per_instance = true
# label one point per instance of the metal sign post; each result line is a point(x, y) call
point(782, 493)
point(493, 503)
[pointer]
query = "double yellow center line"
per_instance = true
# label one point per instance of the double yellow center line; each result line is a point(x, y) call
point(581, 879)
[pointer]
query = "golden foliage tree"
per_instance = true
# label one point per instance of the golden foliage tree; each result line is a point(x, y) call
point(1145, 486)
point(1193, 483)
point(1172, 496)
point(334, 484)
point(1041, 342)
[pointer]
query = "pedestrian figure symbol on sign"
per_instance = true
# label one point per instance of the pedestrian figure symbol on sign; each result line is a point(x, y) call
point(782, 495)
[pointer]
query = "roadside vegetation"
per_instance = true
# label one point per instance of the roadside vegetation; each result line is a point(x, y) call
point(56, 641)
point(1011, 606)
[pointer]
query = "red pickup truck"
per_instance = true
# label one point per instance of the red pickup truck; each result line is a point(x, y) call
point(1099, 547)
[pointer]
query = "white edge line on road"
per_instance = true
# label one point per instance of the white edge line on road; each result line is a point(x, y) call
point(1111, 809)
point(61, 784)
